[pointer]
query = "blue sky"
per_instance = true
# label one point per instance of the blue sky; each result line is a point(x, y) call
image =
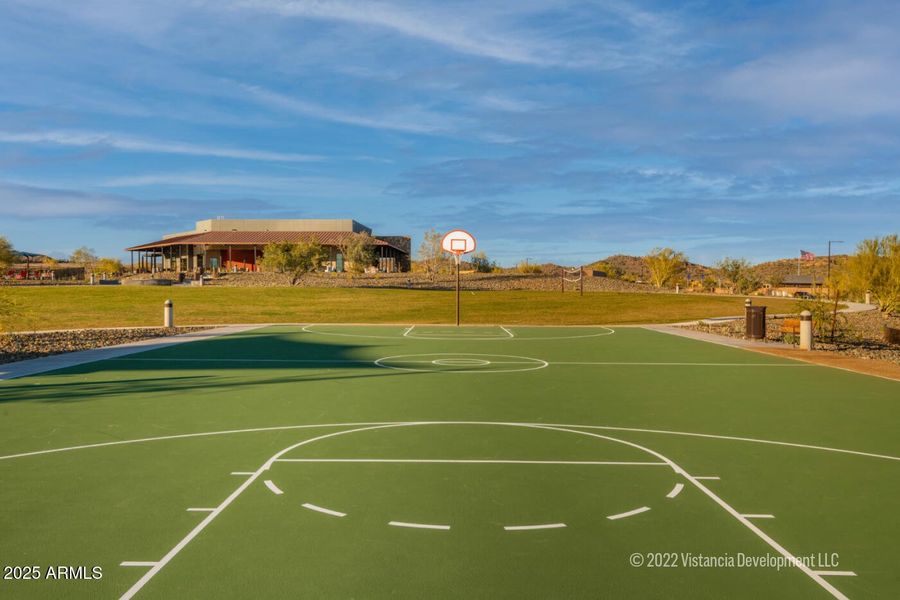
point(554, 130)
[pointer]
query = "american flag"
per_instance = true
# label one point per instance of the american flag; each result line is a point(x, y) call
point(805, 255)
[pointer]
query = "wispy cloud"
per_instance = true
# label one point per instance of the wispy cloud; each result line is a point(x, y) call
point(128, 143)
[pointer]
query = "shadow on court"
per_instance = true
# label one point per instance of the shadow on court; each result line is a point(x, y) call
point(227, 363)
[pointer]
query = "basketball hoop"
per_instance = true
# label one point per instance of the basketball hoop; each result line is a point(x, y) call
point(457, 243)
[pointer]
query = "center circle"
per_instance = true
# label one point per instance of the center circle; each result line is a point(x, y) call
point(460, 362)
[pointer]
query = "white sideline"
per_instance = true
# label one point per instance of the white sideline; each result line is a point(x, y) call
point(327, 511)
point(200, 509)
point(530, 527)
point(710, 477)
point(629, 513)
point(419, 525)
point(675, 490)
point(242, 472)
point(758, 516)
point(137, 563)
point(836, 573)
point(34, 366)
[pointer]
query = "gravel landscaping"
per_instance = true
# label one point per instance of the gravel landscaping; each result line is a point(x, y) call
point(859, 334)
point(22, 346)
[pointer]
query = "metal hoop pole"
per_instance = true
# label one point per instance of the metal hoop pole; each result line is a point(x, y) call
point(457, 290)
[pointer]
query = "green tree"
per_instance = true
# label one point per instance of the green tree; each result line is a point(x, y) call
point(482, 264)
point(359, 251)
point(431, 255)
point(665, 265)
point(737, 274)
point(876, 267)
point(7, 254)
point(295, 259)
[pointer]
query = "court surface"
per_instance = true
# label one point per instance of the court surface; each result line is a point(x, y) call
point(330, 461)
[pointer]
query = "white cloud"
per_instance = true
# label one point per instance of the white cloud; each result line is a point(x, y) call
point(408, 119)
point(136, 144)
point(468, 37)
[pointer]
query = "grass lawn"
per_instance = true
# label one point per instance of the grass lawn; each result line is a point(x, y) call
point(438, 462)
point(71, 307)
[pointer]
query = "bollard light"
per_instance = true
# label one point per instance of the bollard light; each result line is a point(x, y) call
point(168, 314)
point(806, 338)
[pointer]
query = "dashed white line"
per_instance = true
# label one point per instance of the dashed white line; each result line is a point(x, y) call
point(629, 513)
point(710, 477)
point(248, 473)
point(327, 511)
point(675, 490)
point(419, 525)
point(272, 487)
point(530, 527)
point(137, 563)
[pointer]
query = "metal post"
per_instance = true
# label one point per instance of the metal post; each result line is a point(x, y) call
point(457, 290)
point(830, 242)
point(168, 314)
point(806, 339)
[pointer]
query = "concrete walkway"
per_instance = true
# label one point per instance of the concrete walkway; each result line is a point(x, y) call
point(34, 366)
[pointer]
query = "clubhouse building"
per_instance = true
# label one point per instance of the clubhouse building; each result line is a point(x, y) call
point(238, 245)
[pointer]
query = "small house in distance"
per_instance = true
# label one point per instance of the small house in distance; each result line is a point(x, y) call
point(238, 245)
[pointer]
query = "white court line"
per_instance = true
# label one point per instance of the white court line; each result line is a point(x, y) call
point(406, 333)
point(758, 516)
point(150, 574)
point(327, 511)
point(711, 436)
point(836, 573)
point(675, 490)
point(530, 527)
point(629, 513)
point(419, 525)
point(710, 477)
point(200, 509)
point(506, 330)
point(244, 360)
point(683, 364)
point(272, 487)
point(242, 472)
point(675, 467)
point(471, 461)
point(137, 563)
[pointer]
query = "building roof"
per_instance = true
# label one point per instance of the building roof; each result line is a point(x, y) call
point(797, 280)
point(258, 238)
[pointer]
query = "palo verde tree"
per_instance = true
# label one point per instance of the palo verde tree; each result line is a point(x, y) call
point(359, 251)
point(295, 259)
point(108, 266)
point(876, 267)
point(664, 265)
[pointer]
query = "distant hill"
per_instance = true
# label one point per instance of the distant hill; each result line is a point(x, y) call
point(778, 269)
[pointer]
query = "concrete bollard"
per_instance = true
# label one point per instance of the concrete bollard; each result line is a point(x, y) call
point(748, 302)
point(677, 289)
point(806, 337)
point(868, 297)
point(168, 314)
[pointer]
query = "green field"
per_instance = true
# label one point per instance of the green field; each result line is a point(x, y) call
point(433, 462)
point(115, 306)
